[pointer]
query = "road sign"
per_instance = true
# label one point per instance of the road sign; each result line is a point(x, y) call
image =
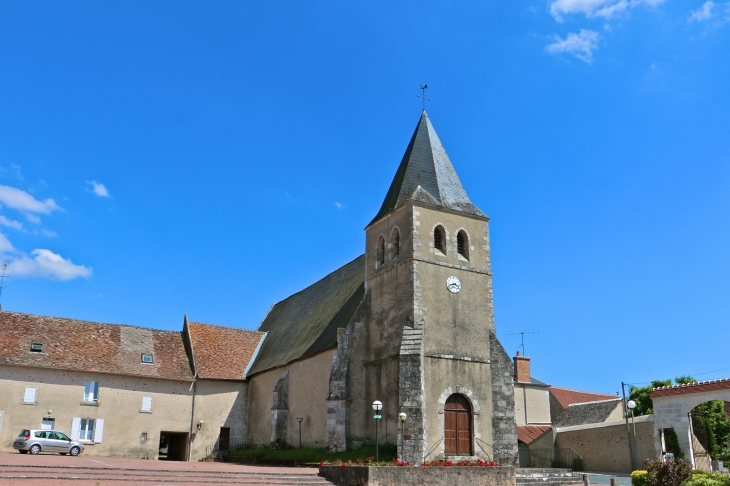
point(378, 416)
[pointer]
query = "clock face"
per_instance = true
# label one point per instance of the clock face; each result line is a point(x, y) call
point(453, 284)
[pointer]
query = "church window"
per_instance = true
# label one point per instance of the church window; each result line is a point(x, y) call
point(439, 239)
point(462, 244)
point(395, 242)
point(381, 251)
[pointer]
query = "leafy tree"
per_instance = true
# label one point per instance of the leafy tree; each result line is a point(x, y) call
point(641, 396)
point(668, 473)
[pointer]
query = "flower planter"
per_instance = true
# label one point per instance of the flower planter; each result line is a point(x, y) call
point(419, 476)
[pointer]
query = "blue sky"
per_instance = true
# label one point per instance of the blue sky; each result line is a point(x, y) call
point(210, 158)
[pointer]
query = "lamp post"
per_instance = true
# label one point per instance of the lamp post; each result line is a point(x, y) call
point(628, 428)
point(377, 406)
point(402, 417)
point(632, 405)
point(299, 419)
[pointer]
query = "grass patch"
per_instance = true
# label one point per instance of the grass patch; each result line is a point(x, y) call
point(387, 452)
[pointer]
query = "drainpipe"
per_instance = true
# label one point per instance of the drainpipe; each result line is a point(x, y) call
point(192, 418)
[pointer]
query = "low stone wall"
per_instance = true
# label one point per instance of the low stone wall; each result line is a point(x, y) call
point(418, 476)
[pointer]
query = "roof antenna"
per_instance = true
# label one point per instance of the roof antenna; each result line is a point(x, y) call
point(2, 281)
point(522, 333)
point(424, 87)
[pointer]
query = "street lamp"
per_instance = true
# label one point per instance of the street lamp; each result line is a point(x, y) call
point(402, 417)
point(299, 419)
point(632, 405)
point(377, 406)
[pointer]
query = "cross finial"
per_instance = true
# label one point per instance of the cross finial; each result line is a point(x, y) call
point(424, 87)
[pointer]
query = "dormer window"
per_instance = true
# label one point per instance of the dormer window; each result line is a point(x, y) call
point(36, 347)
point(147, 358)
point(395, 242)
point(439, 239)
point(462, 244)
point(380, 257)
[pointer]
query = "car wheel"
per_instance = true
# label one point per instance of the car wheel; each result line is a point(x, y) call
point(75, 451)
point(35, 449)
point(22, 451)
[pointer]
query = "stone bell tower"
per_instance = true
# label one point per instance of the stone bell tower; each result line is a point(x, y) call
point(423, 340)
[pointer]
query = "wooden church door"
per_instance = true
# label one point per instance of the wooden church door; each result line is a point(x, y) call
point(457, 426)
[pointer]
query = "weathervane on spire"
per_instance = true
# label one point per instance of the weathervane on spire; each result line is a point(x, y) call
point(424, 87)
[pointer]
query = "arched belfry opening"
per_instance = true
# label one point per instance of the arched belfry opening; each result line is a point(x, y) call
point(439, 239)
point(381, 251)
point(462, 244)
point(457, 426)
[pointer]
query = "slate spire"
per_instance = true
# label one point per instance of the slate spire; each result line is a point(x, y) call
point(426, 174)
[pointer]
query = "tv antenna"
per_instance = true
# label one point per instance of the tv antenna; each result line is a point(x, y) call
point(424, 87)
point(522, 335)
point(2, 281)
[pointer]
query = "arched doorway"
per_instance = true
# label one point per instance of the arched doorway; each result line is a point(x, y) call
point(457, 426)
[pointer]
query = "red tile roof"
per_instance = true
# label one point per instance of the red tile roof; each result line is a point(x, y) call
point(91, 346)
point(566, 397)
point(697, 387)
point(222, 352)
point(529, 433)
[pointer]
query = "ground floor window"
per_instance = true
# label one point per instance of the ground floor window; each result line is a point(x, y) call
point(87, 429)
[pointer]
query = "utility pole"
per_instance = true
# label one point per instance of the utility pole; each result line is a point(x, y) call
point(628, 427)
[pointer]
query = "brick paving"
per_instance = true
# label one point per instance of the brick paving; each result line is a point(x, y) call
point(53, 469)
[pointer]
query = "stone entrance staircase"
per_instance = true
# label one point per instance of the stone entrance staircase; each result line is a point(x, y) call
point(547, 477)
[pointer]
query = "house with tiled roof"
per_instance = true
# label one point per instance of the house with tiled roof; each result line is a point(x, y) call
point(124, 390)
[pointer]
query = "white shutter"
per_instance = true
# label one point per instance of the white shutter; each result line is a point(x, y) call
point(146, 404)
point(75, 426)
point(29, 396)
point(99, 430)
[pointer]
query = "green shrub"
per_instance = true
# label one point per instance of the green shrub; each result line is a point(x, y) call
point(668, 473)
point(705, 479)
point(639, 478)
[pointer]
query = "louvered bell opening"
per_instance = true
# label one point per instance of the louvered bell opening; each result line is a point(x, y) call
point(381, 251)
point(438, 239)
point(461, 244)
point(396, 243)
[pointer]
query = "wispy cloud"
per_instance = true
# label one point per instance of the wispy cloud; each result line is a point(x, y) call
point(10, 224)
point(98, 188)
point(22, 201)
point(5, 245)
point(46, 264)
point(596, 8)
point(705, 12)
point(580, 45)
point(339, 205)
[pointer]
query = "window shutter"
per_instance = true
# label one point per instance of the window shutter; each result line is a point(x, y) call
point(146, 404)
point(29, 396)
point(99, 430)
point(75, 426)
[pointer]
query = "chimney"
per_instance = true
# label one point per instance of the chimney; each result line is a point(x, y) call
point(522, 368)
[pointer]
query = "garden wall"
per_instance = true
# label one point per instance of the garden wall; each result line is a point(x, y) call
point(419, 476)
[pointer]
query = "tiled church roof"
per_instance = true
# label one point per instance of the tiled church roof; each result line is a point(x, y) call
point(566, 397)
point(307, 322)
point(222, 352)
point(91, 346)
point(587, 413)
point(527, 434)
point(426, 168)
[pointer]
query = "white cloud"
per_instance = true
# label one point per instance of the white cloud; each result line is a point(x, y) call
point(46, 264)
point(99, 188)
point(10, 224)
point(32, 218)
point(339, 205)
point(596, 8)
point(5, 245)
point(580, 45)
point(703, 13)
point(22, 201)
point(49, 233)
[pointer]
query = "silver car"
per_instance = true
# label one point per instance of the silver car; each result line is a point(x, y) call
point(37, 441)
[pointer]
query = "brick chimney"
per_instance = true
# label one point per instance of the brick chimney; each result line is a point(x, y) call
point(522, 368)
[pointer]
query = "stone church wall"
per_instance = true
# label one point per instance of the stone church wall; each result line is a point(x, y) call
point(308, 387)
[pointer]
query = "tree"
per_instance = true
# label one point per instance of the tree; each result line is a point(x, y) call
point(644, 405)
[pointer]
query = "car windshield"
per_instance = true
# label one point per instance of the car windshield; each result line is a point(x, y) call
point(61, 436)
point(24, 433)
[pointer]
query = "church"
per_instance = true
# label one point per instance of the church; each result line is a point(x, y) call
point(409, 324)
